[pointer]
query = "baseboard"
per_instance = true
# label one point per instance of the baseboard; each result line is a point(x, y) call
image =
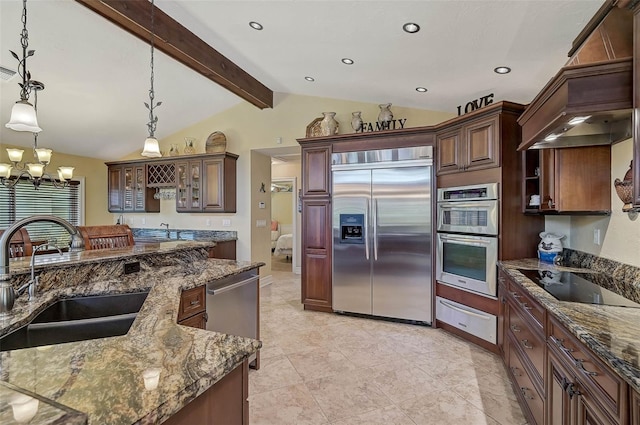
point(266, 280)
point(297, 270)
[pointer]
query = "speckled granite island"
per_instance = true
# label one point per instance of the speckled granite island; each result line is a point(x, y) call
point(611, 332)
point(101, 381)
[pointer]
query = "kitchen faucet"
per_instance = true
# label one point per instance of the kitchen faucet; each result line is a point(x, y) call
point(7, 293)
point(33, 282)
point(168, 232)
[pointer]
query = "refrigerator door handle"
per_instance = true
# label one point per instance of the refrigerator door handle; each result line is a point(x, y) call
point(375, 229)
point(366, 230)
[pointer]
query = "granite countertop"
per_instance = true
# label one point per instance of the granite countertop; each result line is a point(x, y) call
point(186, 234)
point(103, 378)
point(611, 332)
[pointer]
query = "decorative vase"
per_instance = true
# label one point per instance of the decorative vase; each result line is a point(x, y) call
point(624, 189)
point(189, 149)
point(356, 121)
point(550, 247)
point(329, 125)
point(174, 150)
point(385, 116)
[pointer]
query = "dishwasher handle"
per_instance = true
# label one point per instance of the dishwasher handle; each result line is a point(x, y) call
point(233, 286)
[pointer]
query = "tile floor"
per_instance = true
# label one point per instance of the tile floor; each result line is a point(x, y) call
point(319, 368)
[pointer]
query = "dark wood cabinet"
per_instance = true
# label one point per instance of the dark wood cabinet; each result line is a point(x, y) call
point(635, 407)
point(128, 191)
point(226, 402)
point(568, 180)
point(317, 251)
point(473, 146)
point(204, 183)
point(224, 250)
point(316, 160)
point(207, 185)
point(192, 310)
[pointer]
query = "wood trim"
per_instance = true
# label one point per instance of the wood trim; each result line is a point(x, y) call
point(182, 45)
point(314, 307)
point(181, 158)
point(593, 23)
point(488, 305)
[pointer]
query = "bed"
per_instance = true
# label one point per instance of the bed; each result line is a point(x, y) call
point(284, 245)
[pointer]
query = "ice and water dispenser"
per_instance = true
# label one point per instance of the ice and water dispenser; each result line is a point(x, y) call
point(352, 228)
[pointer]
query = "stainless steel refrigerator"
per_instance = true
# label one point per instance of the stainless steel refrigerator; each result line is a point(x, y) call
point(382, 239)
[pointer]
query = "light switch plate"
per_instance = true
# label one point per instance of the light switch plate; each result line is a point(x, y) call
point(226, 222)
point(261, 223)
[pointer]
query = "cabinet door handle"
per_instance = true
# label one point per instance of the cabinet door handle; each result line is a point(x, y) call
point(571, 390)
point(515, 371)
point(515, 295)
point(579, 364)
point(205, 317)
point(526, 306)
point(525, 344)
point(515, 328)
point(525, 392)
point(550, 203)
point(194, 302)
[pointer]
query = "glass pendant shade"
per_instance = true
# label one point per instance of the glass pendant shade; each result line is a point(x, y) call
point(44, 155)
point(15, 155)
point(5, 171)
point(65, 173)
point(151, 148)
point(23, 118)
point(36, 170)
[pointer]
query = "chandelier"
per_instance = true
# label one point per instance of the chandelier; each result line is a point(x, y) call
point(151, 146)
point(23, 118)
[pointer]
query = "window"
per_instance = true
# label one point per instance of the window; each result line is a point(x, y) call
point(23, 201)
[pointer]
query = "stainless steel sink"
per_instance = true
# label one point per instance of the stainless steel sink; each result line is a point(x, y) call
point(77, 319)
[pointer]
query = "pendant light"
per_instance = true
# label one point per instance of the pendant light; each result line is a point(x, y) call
point(34, 171)
point(23, 114)
point(151, 146)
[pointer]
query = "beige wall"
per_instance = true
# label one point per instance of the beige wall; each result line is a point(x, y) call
point(281, 207)
point(93, 170)
point(619, 233)
point(261, 234)
point(248, 128)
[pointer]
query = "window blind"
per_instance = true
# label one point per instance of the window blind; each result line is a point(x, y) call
point(23, 200)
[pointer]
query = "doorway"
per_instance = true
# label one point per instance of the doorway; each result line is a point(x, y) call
point(283, 223)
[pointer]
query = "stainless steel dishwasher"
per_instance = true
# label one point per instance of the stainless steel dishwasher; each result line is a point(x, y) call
point(232, 306)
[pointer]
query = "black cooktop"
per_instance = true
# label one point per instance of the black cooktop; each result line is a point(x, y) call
point(578, 287)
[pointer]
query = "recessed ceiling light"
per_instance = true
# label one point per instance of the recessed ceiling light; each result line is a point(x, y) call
point(502, 70)
point(421, 89)
point(309, 78)
point(347, 61)
point(411, 28)
point(255, 25)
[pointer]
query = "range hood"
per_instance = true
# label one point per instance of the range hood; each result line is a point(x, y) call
point(589, 101)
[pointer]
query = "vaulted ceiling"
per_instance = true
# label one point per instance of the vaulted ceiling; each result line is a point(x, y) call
point(97, 75)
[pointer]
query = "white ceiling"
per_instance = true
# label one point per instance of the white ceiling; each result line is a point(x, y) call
point(97, 75)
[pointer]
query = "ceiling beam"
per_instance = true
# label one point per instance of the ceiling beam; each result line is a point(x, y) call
point(182, 45)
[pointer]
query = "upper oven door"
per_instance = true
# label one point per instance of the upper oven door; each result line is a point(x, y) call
point(477, 217)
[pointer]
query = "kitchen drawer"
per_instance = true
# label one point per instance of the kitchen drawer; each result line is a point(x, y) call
point(198, 321)
point(468, 319)
point(531, 343)
point(522, 298)
point(192, 302)
point(609, 389)
point(526, 389)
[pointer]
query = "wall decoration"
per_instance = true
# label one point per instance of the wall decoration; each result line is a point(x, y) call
point(385, 116)
point(356, 121)
point(472, 105)
point(313, 129)
point(262, 188)
point(281, 187)
point(189, 145)
point(329, 125)
point(216, 143)
point(624, 189)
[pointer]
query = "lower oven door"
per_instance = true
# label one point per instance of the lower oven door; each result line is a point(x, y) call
point(468, 262)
